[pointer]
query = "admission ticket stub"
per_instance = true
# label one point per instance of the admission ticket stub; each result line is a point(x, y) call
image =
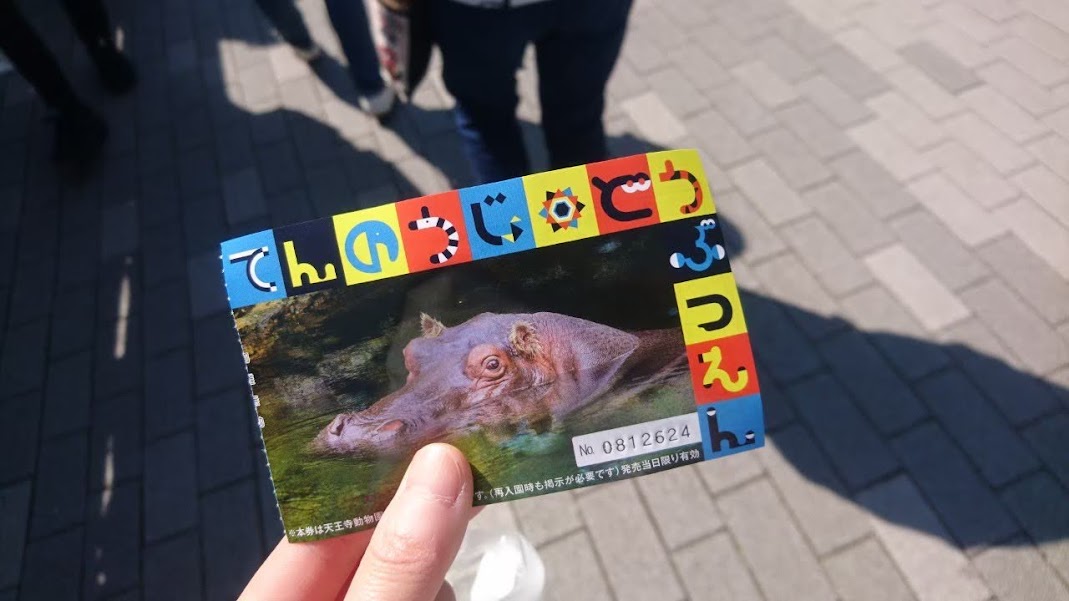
point(562, 329)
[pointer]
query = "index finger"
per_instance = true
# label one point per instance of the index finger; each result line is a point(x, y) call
point(307, 571)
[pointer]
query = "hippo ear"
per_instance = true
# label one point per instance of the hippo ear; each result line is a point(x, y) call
point(524, 340)
point(431, 327)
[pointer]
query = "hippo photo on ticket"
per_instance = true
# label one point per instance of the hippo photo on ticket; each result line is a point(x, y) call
point(551, 366)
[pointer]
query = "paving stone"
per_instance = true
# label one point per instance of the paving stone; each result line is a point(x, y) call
point(849, 217)
point(854, 447)
point(944, 254)
point(973, 423)
point(740, 108)
point(68, 395)
point(172, 569)
point(53, 568)
point(547, 517)
point(113, 542)
point(118, 231)
point(1047, 189)
point(776, 201)
point(813, 492)
point(843, 109)
point(243, 196)
point(791, 158)
point(907, 278)
point(1042, 33)
point(1021, 397)
point(14, 524)
point(1034, 98)
point(849, 73)
point(1031, 60)
point(224, 448)
point(1017, 572)
point(975, 25)
point(813, 128)
point(218, 361)
point(943, 69)
point(1039, 504)
point(1026, 334)
point(803, 299)
point(170, 492)
point(271, 526)
point(728, 472)
point(889, 150)
point(168, 394)
point(777, 342)
point(654, 120)
point(714, 565)
point(117, 362)
point(33, 288)
point(115, 444)
point(868, 48)
point(676, 89)
point(765, 84)
point(719, 139)
point(1053, 151)
point(969, 221)
point(906, 119)
point(875, 186)
point(865, 572)
point(1003, 113)
point(756, 239)
point(783, 58)
point(682, 510)
point(969, 509)
point(231, 539)
point(572, 570)
point(207, 292)
point(894, 332)
point(825, 256)
point(975, 177)
point(19, 436)
point(782, 563)
point(62, 468)
point(704, 71)
point(778, 411)
point(73, 321)
point(1047, 438)
point(1045, 237)
point(1033, 279)
point(22, 367)
point(633, 557)
point(927, 94)
point(919, 545)
point(166, 320)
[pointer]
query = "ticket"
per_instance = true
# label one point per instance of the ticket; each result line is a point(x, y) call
point(562, 329)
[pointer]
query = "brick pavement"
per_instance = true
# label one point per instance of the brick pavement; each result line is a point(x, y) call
point(895, 179)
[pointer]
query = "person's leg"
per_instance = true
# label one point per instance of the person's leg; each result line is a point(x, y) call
point(349, 19)
point(481, 52)
point(288, 22)
point(575, 59)
point(90, 21)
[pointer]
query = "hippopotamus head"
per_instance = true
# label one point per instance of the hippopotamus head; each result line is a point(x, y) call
point(502, 372)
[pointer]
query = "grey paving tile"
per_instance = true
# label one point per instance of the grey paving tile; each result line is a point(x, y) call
point(243, 196)
point(117, 359)
point(73, 321)
point(777, 342)
point(741, 109)
point(973, 423)
point(1048, 188)
point(849, 217)
point(948, 72)
point(966, 504)
point(172, 569)
point(170, 486)
point(231, 540)
point(63, 468)
point(682, 510)
point(68, 395)
point(714, 565)
point(1028, 336)
point(728, 472)
point(271, 516)
point(813, 492)
point(803, 299)
point(901, 272)
point(654, 120)
point(765, 84)
point(865, 572)
point(225, 450)
point(676, 88)
point(719, 139)
point(207, 292)
point(1048, 439)
point(32, 289)
point(118, 231)
point(1044, 236)
point(115, 441)
point(166, 319)
point(168, 394)
point(637, 565)
point(792, 159)
point(14, 526)
point(53, 568)
point(572, 570)
point(972, 174)
point(942, 252)
point(962, 215)
point(1017, 572)
point(854, 447)
point(702, 69)
point(1004, 113)
point(784, 566)
point(19, 436)
point(766, 190)
point(742, 222)
point(849, 73)
point(1038, 502)
point(217, 355)
point(882, 193)
point(823, 137)
point(22, 367)
point(919, 545)
point(894, 332)
point(987, 142)
point(1032, 278)
point(547, 517)
point(112, 542)
point(880, 392)
point(825, 256)
point(784, 58)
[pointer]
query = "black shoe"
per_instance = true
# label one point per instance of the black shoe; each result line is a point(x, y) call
point(116, 71)
point(80, 136)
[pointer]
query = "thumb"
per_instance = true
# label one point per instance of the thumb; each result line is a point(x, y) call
point(420, 532)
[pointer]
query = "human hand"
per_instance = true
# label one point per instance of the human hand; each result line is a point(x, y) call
point(404, 558)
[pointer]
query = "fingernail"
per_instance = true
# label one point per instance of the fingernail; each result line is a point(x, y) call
point(434, 471)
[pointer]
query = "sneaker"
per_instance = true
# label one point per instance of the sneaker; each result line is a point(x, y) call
point(379, 104)
point(116, 71)
point(309, 54)
point(80, 135)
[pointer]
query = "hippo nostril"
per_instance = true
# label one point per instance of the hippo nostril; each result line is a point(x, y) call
point(336, 426)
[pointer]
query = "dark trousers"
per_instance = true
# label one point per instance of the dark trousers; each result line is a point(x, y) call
point(34, 61)
point(350, 23)
point(576, 43)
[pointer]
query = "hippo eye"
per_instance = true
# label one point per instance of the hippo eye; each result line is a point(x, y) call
point(492, 363)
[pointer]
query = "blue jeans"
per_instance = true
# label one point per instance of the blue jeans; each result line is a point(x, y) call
point(350, 22)
point(576, 43)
